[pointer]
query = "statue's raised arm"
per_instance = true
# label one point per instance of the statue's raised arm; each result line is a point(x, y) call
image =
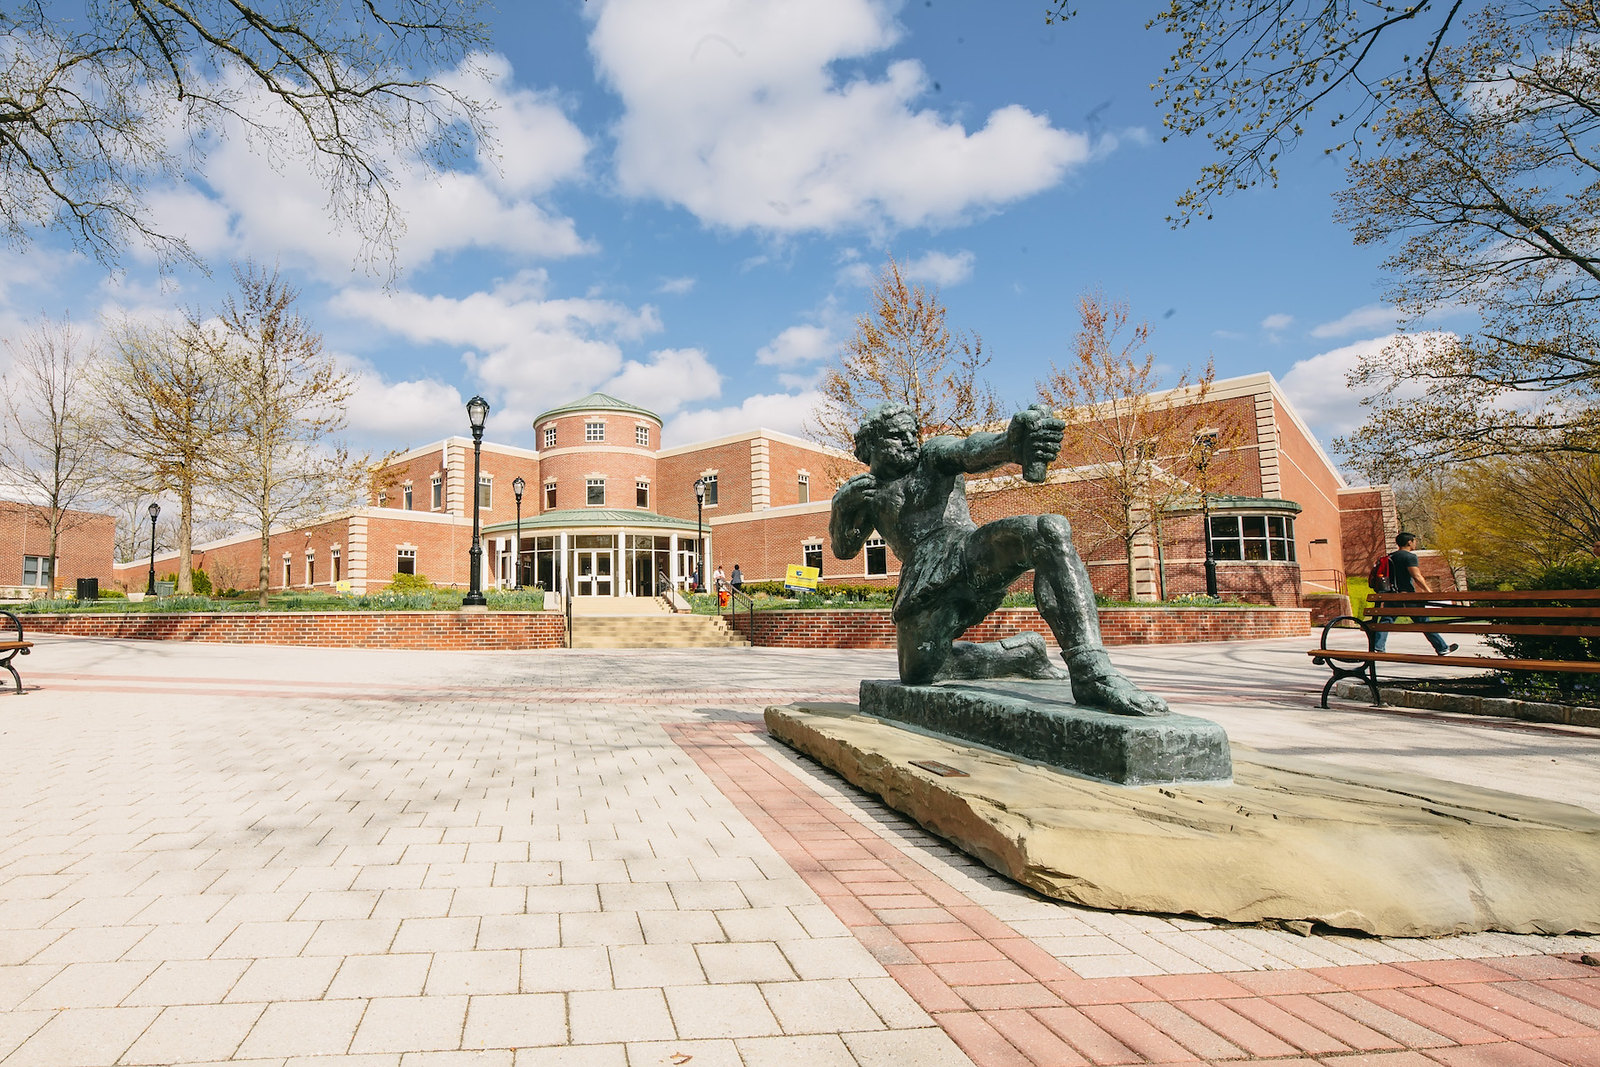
point(1032, 440)
point(851, 521)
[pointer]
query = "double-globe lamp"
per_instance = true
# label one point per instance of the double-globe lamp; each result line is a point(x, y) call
point(516, 556)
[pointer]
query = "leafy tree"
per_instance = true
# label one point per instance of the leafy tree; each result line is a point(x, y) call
point(47, 441)
point(288, 398)
point(1142, 449)
point(902, 350)
point(89, 106)
point(1488, 178)
point(1509, 519)
point(164, 415)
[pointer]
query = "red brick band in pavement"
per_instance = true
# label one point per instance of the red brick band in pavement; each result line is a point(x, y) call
point(1006, 1001)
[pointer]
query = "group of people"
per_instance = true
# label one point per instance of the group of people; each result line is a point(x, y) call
point(724, 585)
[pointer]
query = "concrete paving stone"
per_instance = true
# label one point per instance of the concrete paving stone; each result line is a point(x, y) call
point(1124, 966)
point(896, 1048)
point(515, 1020)
point(501, 1057)
point(632, 896)
point(188, 982)
point(707, 896)
point(252, 940)
point(391, 877)
point(830, 957)
point(647, 966)
point(601, 928)
point(19, 982)
point(83, 1037)
point(729, 869)
point(411, 1024)
point(107, 911)
point(745, 961)
point(457, 934)
point(97, 944)
point(19, 946)
point(17, 1026)
point(187, 908)
point(722, 1010)
point(553, 970)
point(823, 1005)
point(346, 904)
point(304, 1028)
point(495, 851)
point(813, 1050)
point(189, 1033)
point(819, 920)
point(518, 931)
point(459, 875)
point(496, 900)
point(692, 1053)
point(432, 855)
point(391, 975)
point(352, 937)
point(573, 1056)
point(413, 903)
point(593, 872)
point(761, 924)
point(90, 985)
point(474, 973)
point(619, 1015)
point(286, 978)
point(31, 915)
point(680, 927)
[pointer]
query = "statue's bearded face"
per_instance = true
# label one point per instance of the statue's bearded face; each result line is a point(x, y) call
point(897, 449)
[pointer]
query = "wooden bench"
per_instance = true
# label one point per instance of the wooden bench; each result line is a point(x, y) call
point(1536, 612)
point(9, 650)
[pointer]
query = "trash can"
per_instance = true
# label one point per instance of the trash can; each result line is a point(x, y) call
point(165, 588)
point(88, 589)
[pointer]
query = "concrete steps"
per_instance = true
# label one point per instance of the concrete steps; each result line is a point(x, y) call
point(654, 631)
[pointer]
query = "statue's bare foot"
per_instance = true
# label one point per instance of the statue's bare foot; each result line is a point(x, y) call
point(1097, 684)
point(1019, 656)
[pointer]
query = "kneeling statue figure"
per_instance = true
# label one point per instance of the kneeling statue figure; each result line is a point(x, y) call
point(955, 572)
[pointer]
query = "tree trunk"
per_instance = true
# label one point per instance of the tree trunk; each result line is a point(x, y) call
point(185, 537)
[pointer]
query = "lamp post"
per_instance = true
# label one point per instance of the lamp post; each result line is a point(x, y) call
point(477, 414)
point(155, 511)
point(516, 557)
point(699, 532)
point(1206, 442)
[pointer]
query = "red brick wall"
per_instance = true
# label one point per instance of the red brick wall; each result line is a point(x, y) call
point(83, 550)
point(1118, 626)
point(441, 550)
point(419, 471)
point(1311, 484)
point(466, 631)
point(1366, 526)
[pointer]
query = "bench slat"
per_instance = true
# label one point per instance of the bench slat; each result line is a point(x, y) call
point(1493, 595)
point(1354, 655)
point(1446, 626)
point(1456, 611)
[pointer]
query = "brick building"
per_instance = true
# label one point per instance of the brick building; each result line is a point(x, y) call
point(606, 511)
point(84, 548)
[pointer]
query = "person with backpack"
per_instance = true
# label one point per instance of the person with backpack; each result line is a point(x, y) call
point(1404, 575)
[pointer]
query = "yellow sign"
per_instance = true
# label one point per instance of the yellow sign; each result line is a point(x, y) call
point(341, 587)
point(799, 577)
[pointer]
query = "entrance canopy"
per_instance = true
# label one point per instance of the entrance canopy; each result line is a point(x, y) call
point(594, 552)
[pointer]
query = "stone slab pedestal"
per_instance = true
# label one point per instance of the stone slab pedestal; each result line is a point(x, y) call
point(1288, 840)
point(1038, 720)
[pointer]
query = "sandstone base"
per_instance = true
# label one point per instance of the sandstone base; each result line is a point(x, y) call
point(1039, 720)
point(1288, 839)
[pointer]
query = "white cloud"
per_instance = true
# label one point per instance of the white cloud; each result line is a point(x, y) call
point(671, 378)
point(1276, 323)
point(797, 344)
point(735, 109)
point(784, 412)
point(940, 268)
point(403, 413)
point(523, 347)
point(676, 286)
point(1318, 387)
point(1361, 320)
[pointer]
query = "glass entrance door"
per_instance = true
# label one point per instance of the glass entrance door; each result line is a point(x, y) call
point(593, 573)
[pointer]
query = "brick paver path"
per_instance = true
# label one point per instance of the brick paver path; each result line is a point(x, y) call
point(327, 859)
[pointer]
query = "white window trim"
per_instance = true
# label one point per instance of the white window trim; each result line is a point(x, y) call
point(871, 543)
point(588, 426)
point(588, 483)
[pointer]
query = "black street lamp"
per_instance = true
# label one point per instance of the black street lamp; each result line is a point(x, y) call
point(699, 531)
point(155, 511)
point(1206, 442)
point(477, 414)
point(516, 556)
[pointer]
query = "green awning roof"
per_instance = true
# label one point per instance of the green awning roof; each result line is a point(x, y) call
point(596, 402)
point(591, 518)
point(1238, 503)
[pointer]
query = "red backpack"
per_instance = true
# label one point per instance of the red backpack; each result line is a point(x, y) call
point(1378, 578)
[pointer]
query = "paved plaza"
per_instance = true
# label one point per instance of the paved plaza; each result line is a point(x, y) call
point(328, 858)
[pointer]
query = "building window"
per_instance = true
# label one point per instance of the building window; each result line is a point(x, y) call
point(549, 496)
point(406, 561)
point(485, 490)
point(641, 436)
point(311, 569)
point(641, 493)
point(438, 493)
point(35, 570)
point(877, 557)
point(549, 437)
point(595, 492)
point(333, 557)
point(288, 571)
point(813, 556)
point(1253, 537)
point(711, 489)
point(383, 498)
point(407, 493)
point(803, 488)
point(594, 431)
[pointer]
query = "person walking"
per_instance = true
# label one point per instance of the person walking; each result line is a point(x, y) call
point(737, 579)
point(1406, 573)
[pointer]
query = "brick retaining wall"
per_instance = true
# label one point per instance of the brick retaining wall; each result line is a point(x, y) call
point(1119, 626)
point(468, 631)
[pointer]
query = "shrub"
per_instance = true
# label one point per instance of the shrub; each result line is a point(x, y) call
point(1577, 573)
point(409, 583)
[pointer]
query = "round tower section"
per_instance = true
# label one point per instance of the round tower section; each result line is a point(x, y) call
point(597, 452)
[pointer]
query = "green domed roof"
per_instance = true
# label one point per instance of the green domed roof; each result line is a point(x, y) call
point(597, 402)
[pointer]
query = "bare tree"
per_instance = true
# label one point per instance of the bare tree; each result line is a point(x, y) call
point(289, 398)
point(164, 415)
point(1139, 449)
point(902, 350)
point(46, 424)
point(89, 106)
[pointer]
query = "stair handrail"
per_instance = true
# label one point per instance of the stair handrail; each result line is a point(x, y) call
point(733, 610)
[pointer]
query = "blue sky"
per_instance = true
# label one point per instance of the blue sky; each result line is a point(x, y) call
point(690, 197)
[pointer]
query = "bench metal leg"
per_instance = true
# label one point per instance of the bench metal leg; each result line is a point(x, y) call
point(1367, 672)
point(15, 677)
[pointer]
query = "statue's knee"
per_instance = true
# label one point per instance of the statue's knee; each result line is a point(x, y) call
point(1055, 527)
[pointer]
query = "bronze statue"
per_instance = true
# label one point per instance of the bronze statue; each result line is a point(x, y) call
point(955, 572)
